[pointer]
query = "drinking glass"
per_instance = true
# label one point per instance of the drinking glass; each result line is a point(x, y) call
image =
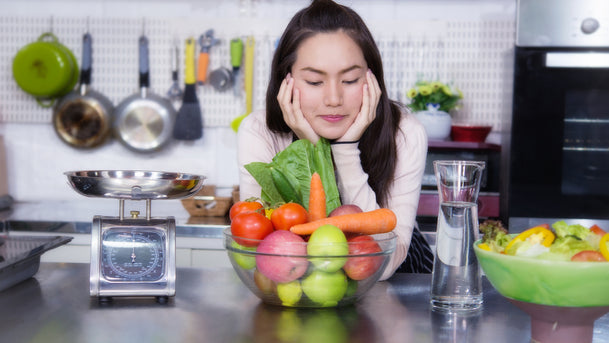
point(456, 284)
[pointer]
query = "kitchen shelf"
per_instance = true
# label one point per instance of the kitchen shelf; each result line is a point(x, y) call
point(454, 145)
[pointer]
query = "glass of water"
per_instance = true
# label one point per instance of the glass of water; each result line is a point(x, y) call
point(456, 284)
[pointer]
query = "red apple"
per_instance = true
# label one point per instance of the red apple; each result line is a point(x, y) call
point(276, 256)
point(345, 209)
point(264, 284)
point(360, 268)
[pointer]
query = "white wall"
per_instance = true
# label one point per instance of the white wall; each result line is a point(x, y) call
point(36, 158)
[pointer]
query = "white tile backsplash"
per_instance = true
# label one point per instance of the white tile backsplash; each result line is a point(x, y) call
point(37, 159)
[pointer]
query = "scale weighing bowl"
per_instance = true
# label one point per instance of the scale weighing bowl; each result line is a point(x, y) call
point(563, 298)
point(133, 256)
point(134, 184)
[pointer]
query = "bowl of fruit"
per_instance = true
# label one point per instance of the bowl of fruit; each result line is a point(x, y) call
point(289, 260)
point(557, 274)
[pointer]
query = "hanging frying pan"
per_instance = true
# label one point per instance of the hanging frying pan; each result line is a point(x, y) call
point(83, 118)
point(143, 122)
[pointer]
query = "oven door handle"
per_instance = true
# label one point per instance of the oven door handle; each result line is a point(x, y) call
point(577, 60)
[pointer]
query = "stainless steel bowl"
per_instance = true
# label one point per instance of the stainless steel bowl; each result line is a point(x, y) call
point(134, 184)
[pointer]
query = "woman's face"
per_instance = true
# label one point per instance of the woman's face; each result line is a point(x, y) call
point(330, 72)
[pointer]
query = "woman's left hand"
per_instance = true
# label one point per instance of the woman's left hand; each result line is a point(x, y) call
point(370, 100)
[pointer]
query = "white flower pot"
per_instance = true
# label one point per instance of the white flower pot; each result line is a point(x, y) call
point(437, 124)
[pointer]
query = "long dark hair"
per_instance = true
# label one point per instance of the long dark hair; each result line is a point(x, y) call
point(377, 144)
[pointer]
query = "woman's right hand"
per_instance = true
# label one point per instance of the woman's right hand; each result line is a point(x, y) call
point(289, 102)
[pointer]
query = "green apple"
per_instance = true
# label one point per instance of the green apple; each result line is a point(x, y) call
point(351, 288)
point(245, 261)
point(325, 289)
point(328, 240)
point(289, 293)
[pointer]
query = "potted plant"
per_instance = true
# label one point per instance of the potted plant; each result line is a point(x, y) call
point(432, 102)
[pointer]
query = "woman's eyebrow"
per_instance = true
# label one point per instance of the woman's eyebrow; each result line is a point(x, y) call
point(321, 72)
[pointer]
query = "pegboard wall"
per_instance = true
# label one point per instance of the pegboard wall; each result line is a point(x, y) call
point(475, 56)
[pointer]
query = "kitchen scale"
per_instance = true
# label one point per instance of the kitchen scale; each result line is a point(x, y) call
point(133, 256)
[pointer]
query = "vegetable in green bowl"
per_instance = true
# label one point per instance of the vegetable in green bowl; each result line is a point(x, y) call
point(546, 282)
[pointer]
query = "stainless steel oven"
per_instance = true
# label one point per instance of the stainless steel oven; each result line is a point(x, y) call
point(559, 152)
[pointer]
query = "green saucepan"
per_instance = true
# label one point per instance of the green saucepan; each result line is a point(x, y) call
point(45, 69)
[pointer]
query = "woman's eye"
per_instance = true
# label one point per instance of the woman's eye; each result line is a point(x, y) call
point(314, 83)
point(350, 82)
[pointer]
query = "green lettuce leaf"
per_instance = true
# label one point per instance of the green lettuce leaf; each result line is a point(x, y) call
point(297, 163)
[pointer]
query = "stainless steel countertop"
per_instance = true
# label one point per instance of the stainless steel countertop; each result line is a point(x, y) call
point(214, 306)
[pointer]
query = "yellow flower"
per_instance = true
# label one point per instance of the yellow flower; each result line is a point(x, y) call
point(411, 93)
point(446, 90)
point(425, 90)
point(436, 85)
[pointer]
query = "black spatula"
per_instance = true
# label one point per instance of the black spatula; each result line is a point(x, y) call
point(189, 121)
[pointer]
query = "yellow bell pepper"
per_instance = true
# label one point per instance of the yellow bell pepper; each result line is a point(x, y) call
point(484, 246)
point(604, 246)
point(545, 236)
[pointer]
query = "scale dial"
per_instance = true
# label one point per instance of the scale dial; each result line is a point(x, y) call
point(133, 254)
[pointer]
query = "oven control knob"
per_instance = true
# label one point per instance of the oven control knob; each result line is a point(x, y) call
point(589, 25)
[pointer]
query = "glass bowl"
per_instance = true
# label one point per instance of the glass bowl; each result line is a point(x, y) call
point(563, 298)
point(302, 281)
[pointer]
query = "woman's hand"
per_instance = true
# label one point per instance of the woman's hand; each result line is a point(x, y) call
point(370, 100)
point(289, 102)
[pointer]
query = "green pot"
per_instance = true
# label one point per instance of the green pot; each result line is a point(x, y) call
point(45, 69)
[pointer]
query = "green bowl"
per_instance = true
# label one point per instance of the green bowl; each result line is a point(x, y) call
point(554, 283)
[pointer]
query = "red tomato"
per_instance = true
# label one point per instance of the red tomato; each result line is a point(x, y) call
point(244, 206)
point(588, 256)
point(252, 226)
point(597, 230)
point(288, 215)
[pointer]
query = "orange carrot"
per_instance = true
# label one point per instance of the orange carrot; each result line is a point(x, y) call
point(372, 222)
point(317, 199)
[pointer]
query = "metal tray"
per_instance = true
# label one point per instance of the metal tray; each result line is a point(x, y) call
point(20, 256)
point(134, 184)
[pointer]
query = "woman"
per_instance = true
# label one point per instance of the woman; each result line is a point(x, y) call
point(327, 81)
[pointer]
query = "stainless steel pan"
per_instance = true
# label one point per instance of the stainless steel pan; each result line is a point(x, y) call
point(83, 118)
point(144, 121)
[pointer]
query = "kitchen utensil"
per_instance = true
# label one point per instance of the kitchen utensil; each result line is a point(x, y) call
point(236, 56)
point(189, 122)
point(45, 69)
point(133, 256)
point(221, 79)
point(248, 80)
point(175, 93)
point(206, 41)
point(83, 118)
point(285, 264)
point(143, 122)
point(20, 256)
point(469, 133)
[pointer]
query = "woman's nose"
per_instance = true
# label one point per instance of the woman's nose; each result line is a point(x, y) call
point(333, 95)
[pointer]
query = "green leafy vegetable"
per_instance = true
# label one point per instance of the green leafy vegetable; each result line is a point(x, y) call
point(563, 229)
point(288, 176)
point(495, 235)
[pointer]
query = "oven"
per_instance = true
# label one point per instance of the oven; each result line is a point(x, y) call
point(559, 151)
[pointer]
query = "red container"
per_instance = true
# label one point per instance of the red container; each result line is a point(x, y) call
point(469, 133)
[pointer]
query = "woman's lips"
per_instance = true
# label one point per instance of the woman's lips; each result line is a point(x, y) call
point(333, 118)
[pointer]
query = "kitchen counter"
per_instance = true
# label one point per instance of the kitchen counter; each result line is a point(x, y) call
point(212, 305)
